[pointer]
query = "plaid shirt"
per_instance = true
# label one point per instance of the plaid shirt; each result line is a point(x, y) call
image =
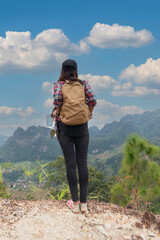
point(58, 96)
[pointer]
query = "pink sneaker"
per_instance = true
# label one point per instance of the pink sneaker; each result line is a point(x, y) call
point(74, 208)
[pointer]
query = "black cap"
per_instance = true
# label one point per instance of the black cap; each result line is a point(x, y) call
point(69, 65)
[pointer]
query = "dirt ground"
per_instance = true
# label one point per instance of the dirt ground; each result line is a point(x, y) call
point(53, 220)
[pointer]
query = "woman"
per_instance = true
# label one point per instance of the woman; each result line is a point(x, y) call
point(73, 138)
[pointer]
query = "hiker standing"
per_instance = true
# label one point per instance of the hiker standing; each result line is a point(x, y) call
point(74, 102)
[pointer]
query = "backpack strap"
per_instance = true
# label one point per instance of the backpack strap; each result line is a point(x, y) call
point(74, 80)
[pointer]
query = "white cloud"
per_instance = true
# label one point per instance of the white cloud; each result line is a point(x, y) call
point(149, 72)
point(105, 112)
point(125, 110)
point(49, 103)
point(99, 83)
point(115, 36)
point(8, 110)
point(142, 80)
point(29, 111)
point(18, 52)
point(47, 87)
point(5, 110)
point(127, 89)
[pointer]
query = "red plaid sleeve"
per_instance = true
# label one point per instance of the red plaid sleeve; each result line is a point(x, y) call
point(90, 96)
point(57, 95)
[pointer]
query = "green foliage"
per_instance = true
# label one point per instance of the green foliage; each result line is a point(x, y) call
point(56, 173)
point(29, 197)
point(3, 169)
point(3, 192)
point(27, 171)
point(139, 177)
point(59, 193)
point(118, 194)
point(54, 176)
point(98, 187)
point(42, 175)
point(114, 163)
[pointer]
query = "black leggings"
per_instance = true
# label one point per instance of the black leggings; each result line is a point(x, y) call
point(74, 143)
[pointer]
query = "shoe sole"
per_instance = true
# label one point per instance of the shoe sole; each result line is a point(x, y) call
point(83, 211)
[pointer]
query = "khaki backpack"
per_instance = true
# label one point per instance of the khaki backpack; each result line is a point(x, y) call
point(74, 110)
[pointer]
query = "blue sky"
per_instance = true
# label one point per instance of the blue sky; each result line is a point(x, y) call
point(115, 43)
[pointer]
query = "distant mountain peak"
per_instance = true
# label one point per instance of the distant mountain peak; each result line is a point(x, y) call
point(19, 133)
point(27, 145)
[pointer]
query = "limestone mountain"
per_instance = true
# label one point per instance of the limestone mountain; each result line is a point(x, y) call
point(30, 145)
point(114, 134)
point(35, 142)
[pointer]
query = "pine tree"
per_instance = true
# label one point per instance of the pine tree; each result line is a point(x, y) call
point(139, 176)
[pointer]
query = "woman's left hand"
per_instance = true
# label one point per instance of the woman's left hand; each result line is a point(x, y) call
point(54, 113)
point(91, 116)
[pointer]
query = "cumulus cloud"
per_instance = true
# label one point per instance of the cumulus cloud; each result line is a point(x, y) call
point(8, 110)
point(139, 80)
point(107, 112)
point(47, 87)
point(29, 111)
point(127, 89)
point(149, 72)
point(5, 110)
point(99, 83)
point(115, 36)
point(19, 52)
point(49, 103)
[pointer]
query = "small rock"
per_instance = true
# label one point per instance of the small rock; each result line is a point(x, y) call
point(139, 225)
point(120, 227)
point(148, 218)
point(151, 234)
point(138, 237)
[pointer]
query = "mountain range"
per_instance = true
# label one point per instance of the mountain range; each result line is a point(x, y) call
point(113, 134)
point(35, 142)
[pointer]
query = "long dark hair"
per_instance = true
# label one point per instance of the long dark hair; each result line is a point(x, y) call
point(68, 75)
point(71, 75)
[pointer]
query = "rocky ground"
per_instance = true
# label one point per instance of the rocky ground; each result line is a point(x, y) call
point(52, 220)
